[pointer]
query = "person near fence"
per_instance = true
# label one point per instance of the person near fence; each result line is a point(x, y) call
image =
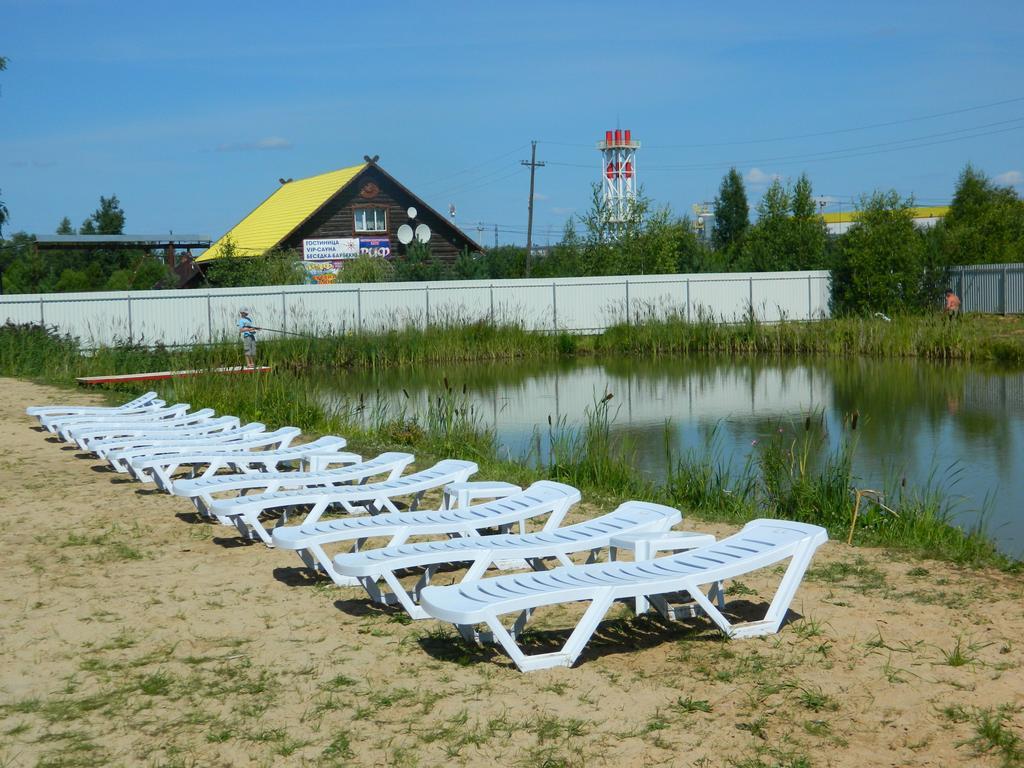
point(247, 330)
point(952, 305)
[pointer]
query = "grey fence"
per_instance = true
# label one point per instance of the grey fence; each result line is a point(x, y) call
point(580, 305)
point(990, 288)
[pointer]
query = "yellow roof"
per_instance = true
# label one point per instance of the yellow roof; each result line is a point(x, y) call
point(924, 212)
point(278, 216)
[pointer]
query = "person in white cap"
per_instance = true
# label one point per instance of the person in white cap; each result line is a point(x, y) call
point(247, 330)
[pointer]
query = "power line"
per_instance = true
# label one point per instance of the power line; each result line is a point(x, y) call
point(815, 134)
point(474, 167)
point(837, 154)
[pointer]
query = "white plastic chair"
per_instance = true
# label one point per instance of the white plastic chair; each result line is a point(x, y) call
point(58, 424)
point(761, 543)
point(161, 469)
point(148, 464)
point(119, 453)
point(86, 434)
point(147, 400)
point(371, 565)
point(515, 507)
point(244, 511)
point(201, 491)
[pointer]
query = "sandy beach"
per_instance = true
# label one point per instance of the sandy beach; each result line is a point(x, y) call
point(136, 634)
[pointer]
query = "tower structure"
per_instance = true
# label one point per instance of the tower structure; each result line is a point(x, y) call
point(618, 175)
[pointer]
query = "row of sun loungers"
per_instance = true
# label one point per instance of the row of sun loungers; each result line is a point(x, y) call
point(247, 477)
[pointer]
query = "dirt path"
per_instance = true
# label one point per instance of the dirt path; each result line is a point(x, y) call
point(135, 635)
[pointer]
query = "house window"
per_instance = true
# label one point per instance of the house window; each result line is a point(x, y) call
point(371, 220)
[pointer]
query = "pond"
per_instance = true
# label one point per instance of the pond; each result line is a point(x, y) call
point(951, 427)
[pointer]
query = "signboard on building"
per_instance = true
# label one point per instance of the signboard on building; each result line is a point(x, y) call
point(322, 272)
point(380, 247)
point(330, 249)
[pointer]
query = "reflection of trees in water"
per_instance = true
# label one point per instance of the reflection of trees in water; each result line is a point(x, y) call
point(907, 406)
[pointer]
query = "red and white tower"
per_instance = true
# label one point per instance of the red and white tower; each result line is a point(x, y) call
point(618, 174)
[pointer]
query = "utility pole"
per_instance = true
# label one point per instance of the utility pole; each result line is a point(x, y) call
point(495, 235)
point(534, 165)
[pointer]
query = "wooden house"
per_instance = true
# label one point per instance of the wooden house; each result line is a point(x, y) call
point(362, 203)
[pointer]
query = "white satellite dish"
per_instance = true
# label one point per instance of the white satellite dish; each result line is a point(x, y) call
point(422, 233)
point(405, 234)
point(411, 213)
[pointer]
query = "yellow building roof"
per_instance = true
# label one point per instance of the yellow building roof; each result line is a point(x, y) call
point(924, 212)
point(279, 215)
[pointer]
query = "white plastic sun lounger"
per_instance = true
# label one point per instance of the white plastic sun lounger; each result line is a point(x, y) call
point(85, 434)
point(177, 415)
point(541, 498)
point(372, 565)
point(244, 511)
point(165, 413)
point(142, 401)
point(148, 415)
point(201, 490)
point(760, 544)
point(146, 463)
point(119, 453)
point(161, 469)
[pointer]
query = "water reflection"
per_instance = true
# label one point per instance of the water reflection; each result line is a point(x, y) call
point(962, 426)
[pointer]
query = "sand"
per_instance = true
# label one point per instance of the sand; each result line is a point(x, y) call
point(135, 634)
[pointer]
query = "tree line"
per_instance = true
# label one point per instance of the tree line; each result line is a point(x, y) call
point(882, 263)
point(25, 269)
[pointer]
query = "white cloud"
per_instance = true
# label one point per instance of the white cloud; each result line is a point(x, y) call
point(757, 178)
point(537, 196)
point(270, 142)
point(1010, 179)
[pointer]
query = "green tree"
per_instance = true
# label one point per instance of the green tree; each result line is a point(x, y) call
point(809, 238)
point(366, 269)
point(108, 219)
point(469, 266)
point(144, 273)
point(418, 264)
point(881, 261)
point(692, 252)
point(985, 224)
point(65, 228)
point(4, 215)
point(276, 267)
point(732, 215)
point(767, 244)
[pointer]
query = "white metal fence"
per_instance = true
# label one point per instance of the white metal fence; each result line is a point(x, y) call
point(582, 305)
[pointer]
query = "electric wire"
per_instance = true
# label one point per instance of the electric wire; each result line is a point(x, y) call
point(815, 134)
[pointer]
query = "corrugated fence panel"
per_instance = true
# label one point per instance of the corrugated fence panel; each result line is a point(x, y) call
point(585, 304)
point(96, 319)
point(320, 311)
point(455, 304)
point(723, 300)
point(589, 306)
point(16, 309)
point(523, 302)
point(656, 299)
point(171, 320)
point(384, 307)
point(989, 288)
point(782, 298)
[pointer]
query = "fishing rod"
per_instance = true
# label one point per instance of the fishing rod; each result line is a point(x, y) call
point(286, 333)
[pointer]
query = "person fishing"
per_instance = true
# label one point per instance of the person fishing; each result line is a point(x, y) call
point(952, 304)
point(247, 330)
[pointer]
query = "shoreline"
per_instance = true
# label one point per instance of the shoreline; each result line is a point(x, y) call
point(139, 635)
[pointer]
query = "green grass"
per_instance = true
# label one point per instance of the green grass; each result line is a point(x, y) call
point(973, 338)
point(801, 472)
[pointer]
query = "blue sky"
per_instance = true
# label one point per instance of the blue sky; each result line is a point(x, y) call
point(190, 111)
